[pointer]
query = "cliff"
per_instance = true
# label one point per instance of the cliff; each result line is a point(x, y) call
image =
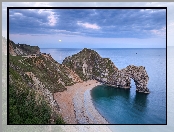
point(38, 77)
point(88, 64)
point(22, 49)
point(35, 77)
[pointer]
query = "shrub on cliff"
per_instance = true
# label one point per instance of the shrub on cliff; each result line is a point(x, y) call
point(24, 109)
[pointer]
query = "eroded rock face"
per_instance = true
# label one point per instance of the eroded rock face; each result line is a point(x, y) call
point(88, 64)
point(140, 77)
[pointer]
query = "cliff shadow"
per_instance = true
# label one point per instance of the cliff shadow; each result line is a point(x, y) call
point(110, 92)
point(140, 101)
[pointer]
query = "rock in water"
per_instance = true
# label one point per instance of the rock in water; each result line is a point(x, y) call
point(88, 64)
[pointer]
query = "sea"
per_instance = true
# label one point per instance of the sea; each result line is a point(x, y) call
point(136, 111)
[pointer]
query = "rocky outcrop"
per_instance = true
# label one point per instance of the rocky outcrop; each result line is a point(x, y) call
point(12, 49)
point(88, 64)
point(40, 88)
point(22, 49)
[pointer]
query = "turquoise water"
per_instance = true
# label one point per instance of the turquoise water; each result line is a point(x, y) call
point(121, 106)
point(170, 107)
point(128, 107)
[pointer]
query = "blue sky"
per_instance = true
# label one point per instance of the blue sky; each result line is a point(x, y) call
point(91, 28)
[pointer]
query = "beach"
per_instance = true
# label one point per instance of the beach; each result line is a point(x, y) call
point(76, 105)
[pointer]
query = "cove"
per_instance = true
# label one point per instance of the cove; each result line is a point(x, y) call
point(123, 106)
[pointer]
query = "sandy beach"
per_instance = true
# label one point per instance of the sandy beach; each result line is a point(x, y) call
point(76, 105)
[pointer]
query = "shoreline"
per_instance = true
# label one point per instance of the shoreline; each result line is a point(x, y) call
point(76, 106)
point(100, 119)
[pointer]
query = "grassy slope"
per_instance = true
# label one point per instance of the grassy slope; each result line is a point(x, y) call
point(23, 106)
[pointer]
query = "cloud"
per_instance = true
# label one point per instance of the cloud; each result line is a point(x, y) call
point(141, 24)
point(52, 19)
point(51, 16)
point(44, 16)
point(20, 14)
point(160, 32)
point(111, 23)
point(88, 25)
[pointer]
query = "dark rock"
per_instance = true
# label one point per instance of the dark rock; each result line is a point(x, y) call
point(22, 49)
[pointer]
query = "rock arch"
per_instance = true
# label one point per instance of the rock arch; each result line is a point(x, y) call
point(122, 78)
point(103, 69)
point(140, 77)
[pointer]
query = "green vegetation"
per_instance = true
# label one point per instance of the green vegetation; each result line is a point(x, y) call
point(26, 106)
point(44, 70)
point(23, 107)
point(93, 60)
point(28, 49)
point(80, 73)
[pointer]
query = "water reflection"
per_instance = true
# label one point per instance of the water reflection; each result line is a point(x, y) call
point(110, 92)
point(140, 102)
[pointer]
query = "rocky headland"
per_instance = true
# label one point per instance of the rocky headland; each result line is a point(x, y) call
point(22, 49)
point(88, 64)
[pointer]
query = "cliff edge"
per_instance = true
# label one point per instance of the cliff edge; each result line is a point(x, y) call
point(22, 49)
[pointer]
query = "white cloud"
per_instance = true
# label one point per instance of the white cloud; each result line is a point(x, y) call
point(88, 25)
point(52, 18)
point(20, 14)
point(161, 32)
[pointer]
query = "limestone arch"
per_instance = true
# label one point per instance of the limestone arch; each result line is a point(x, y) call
point(139, 76)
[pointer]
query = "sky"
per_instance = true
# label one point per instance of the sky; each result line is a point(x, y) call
point(90, 28)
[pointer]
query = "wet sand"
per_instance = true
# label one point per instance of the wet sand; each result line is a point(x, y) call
point(76, 105)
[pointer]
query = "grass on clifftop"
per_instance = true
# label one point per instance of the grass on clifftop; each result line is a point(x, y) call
point(46, 72)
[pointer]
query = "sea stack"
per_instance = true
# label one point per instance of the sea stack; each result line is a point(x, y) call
point(88, 64)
